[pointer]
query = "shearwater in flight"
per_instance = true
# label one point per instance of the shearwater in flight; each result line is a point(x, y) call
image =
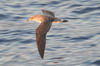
point(46, 21)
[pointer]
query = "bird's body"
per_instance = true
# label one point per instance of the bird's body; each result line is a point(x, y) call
point(40, 18)
point(45, 18)
point(46, 21)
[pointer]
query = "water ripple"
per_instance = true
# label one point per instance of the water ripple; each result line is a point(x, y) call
point(75, 5)
point(27, 41)
point(15, 6)
point(9, 40)
point(81, 38)
point(54, 2)
point(54, 35)
point(3, 16)
point(97, 62)
point(86, 10)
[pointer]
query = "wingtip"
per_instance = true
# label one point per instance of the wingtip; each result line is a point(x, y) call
point(41, 53)
point(43, 10)
point(42, 56)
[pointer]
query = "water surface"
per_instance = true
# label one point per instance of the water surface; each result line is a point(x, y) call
point(76, 43)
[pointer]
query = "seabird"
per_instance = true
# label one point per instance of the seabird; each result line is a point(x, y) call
point(46, 21)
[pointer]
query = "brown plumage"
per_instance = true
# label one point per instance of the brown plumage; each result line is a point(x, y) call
point(46, 21)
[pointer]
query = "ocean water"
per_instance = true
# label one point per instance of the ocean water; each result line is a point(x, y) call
point(75, 43)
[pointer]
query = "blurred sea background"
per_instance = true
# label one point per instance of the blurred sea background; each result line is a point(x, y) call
point(75, 43)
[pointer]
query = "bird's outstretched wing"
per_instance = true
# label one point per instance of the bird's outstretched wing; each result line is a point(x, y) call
point(41, 36)
point(46, 12)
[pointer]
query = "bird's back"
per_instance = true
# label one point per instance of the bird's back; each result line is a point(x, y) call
point(42, 18)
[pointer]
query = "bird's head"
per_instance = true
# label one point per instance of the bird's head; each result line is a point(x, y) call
point(37, 18)
point(30, 19)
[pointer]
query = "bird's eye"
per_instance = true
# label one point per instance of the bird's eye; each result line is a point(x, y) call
point(31, 17)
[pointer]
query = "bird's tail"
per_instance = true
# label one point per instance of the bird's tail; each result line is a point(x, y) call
point(57, 20)
point(61, 21)
point(64, 20)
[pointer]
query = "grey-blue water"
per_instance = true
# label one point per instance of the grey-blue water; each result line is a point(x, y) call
point(76, 43)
